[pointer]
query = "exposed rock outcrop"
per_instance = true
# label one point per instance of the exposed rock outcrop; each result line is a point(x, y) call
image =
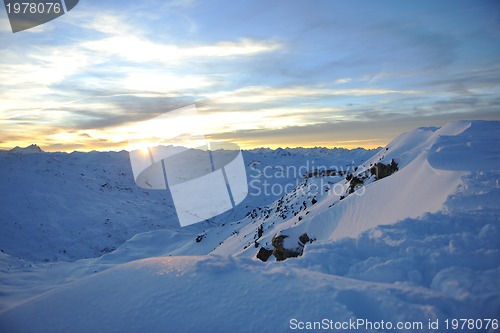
point(264, 254)
point(283, 252)
point(381, 170)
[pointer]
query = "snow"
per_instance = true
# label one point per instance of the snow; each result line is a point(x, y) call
point(58, 206)
point(420, 245)
point(418, 188)
point(470, 151)
point(417, 183)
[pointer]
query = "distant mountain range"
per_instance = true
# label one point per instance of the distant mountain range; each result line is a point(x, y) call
point(33, 148)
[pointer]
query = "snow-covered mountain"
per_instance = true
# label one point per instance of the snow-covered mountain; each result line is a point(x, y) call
point(408, 236)
point(59, 206)
point(31, 149)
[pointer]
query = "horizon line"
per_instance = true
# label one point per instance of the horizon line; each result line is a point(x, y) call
point(117, 150)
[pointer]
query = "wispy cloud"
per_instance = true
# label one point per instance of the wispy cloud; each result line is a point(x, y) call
point(139, 50)
point(343, 80)
point(114, 63)
point(261, 94)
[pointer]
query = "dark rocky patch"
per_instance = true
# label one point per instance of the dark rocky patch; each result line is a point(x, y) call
point(264, 254)
point(381, 170)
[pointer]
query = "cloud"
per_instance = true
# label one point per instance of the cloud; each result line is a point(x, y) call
point(93, 81)
point(105, 22)
point(262, 94)
point(365, 132)
point(139, 50)
point(150, 81)
point(343, 80)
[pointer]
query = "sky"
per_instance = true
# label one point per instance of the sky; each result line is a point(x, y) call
point(260, 73)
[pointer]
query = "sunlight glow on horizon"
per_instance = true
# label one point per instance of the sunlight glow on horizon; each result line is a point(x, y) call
point(245, 146)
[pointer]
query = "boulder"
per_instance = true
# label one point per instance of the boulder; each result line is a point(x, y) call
point(282, 253)
point(381, 170)
point(264, 254)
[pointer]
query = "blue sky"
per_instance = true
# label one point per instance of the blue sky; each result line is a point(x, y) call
point(261, 73)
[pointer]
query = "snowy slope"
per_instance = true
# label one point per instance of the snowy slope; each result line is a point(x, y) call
point(439, 267)
point(224, 294)
point(421, 244)
point(417, 188)
point(58, 206)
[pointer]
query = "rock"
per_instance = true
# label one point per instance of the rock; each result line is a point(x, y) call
point(279, 250)
point(304, 239)
point(264, 254)
point(281, 253)
point(381, 170)
point(260, 231)
point(354, 183)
